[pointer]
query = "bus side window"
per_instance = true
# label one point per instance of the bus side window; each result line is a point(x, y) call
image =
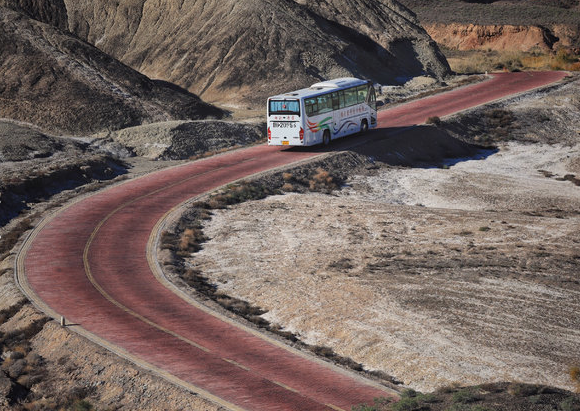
point(341, 99)
point(362, 93)
point(324, 104)
point(350, 97)
point(335, 101)
point(310, 105)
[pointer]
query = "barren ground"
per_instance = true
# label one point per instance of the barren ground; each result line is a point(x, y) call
point(464, 274)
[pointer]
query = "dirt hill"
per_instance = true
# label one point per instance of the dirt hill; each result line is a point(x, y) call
point(515, 25)
point(238, 52)
point(64, 85)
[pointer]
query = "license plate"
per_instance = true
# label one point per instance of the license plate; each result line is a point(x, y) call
point(284, 125)
point(285, 143)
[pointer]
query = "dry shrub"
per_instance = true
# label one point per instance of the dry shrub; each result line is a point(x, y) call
point(287, 177)
point(575, 377)
point(191, 239)
point(238, 193)
point(466, 396)
point(22, 350)
point(523, 390)
point(217, 202)
point(323, 351)
point(433, 120)
point(238, 306)
point(322, 181)
point(499, 117)
point(329, 353)
point(194, 278)
point(287, 187)
point(277, 329)
point(501, 123)
point(167, 241)
point(8, 361)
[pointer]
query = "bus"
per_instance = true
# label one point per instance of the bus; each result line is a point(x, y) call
point(323, 112)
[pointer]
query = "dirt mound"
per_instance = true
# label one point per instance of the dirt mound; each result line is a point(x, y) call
point(240, 52)
point(511, 25)
point(54, 80)
point(179, 140)
point(474, 37)
point(21, 143)
point(35, 166)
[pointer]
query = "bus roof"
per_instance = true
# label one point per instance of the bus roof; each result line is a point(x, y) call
point(322, 87)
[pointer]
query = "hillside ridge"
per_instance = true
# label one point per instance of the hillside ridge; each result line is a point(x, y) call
point(240, 52)
point(50, 78)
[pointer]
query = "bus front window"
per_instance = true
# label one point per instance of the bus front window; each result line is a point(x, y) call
point(286, 107)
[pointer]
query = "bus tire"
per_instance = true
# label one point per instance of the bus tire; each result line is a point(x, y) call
point(364, 126)
point(326, 138)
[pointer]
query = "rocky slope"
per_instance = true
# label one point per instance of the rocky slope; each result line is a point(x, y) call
point(54, 80)
point(522, 25)
point(240, 51)
point(179, 140)
point(509, 37)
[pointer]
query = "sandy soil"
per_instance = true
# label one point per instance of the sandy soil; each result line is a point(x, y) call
point(463, 274)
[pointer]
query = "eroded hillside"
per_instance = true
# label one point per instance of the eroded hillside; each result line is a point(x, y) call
point(64, 85)
point(516, 25)
point(241, 51)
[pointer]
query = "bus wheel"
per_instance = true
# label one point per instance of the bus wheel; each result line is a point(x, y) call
point(364, 126)
point(326, 138)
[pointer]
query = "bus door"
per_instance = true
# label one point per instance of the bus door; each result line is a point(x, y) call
point(336, 118)
point(372, 102)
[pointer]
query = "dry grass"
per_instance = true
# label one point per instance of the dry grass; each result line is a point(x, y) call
point(191, 240)
point(468, 62)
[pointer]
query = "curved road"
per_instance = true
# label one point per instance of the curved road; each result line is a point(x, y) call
point(92, 263)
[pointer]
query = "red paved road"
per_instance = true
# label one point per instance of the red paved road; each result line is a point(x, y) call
point(498, 86)
point(89, 264)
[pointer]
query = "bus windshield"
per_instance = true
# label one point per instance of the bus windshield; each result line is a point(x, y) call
point(291, 107)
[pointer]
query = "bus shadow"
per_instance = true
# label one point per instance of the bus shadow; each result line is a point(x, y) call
point(419, 146)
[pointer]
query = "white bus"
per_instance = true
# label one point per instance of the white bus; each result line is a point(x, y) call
point(323, 112)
